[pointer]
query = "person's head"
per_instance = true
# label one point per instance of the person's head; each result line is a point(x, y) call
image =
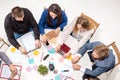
point(54, 12)
point(100, 52)
point(82, 24)
point(17, 13)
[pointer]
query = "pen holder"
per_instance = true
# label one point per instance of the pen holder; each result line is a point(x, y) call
point(51, 66)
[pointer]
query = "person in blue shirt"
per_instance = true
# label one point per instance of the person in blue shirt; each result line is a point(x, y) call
point(52, 18)
point(102, 57)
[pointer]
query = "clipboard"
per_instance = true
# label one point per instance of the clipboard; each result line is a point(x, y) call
point(5, 72)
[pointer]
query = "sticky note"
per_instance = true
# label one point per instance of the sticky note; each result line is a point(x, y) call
point(31, 60)
point(69, 58)
point(36, 52)
point(35, 67)
point(57, 77)
point(52, 51)
point(13, 49)
point(61, 60)
point(29, 69)
point(49, 47)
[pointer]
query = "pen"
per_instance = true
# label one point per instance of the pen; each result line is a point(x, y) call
point(41, 57)
point(27, 55)
point(65, 70)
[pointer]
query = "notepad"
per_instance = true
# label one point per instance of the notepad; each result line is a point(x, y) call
point(5, 72)
point(64, 49)
point(28, 41)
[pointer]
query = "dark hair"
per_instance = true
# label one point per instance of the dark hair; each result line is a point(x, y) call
point(17, 12)
point(102, 51)
point(55, 8)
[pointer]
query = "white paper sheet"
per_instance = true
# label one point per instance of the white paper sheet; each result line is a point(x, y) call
point(28, 41)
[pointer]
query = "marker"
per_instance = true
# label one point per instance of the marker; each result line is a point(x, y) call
point(65, 70)
point(46, 57)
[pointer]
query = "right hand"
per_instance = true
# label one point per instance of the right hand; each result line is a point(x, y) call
point(57, 48)
point(75, 59)
point(22, 50)
point(44, 38)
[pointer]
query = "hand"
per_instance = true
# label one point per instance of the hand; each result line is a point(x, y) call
point(67, 55)
point(37, 43)
point(13, 70)
point(44, 38)
point(75, 59)
point(76, 67)
point(57, 48)
point(57, 31)
point(22, 50)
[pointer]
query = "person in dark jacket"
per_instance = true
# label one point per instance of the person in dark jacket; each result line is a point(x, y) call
point(102, 57)
point(52, 18)
point(18, 22)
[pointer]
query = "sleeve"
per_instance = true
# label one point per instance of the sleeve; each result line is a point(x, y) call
point(34, 25)
point(64, 20)
point(5, 58)
point(96, 72)
point(83, 41)
point(9, 32)
point(88, 46)
point(66, 32)
point(42, 22)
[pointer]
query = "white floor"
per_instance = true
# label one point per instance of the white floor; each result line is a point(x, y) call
point(106, 12)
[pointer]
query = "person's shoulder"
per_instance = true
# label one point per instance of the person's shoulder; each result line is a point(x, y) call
point(26, 10)
point(45, 11)
point(8, 16)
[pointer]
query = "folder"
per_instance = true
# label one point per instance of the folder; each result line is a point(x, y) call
point(5, 72)
point(64, 49)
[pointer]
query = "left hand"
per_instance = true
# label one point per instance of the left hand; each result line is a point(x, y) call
point(37, 43)
point(76, 67)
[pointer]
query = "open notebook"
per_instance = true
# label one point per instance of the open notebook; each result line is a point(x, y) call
point(28, 41)
point(5, 72)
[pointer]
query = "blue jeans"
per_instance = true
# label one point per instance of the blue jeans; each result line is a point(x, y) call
point(16, 35)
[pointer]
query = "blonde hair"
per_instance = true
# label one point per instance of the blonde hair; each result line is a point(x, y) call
point(84, 23)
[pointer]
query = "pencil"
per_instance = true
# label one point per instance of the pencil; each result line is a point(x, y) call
point(27, 55)
point(41, 57)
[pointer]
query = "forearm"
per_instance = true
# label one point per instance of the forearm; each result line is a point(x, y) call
point(5, 58)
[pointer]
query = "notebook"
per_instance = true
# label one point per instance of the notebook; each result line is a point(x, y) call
point(64, 49)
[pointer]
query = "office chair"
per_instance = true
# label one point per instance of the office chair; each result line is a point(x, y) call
point(2, 43)
point(92, 22)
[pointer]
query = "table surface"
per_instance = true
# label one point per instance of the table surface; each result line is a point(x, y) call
point(29, 69)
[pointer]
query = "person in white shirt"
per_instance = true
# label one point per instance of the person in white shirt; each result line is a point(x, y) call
point(80, 29)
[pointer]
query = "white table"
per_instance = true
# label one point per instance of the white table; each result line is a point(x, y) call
point(17, 58)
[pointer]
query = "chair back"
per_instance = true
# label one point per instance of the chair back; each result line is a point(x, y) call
point(92, 22)
point(2, 43)
point(116, 52)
